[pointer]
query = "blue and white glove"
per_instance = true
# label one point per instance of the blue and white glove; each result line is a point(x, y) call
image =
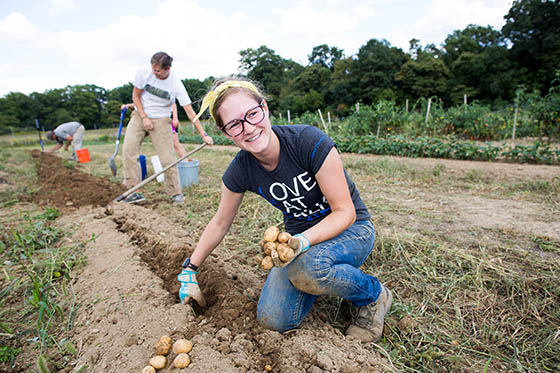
point(189, 285)
point(298, 242)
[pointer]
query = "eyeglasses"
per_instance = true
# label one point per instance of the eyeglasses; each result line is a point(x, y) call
point(252, 116)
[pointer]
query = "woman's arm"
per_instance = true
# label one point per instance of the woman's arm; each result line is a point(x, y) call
point(175, 117)
point(333, 184)
point(191, 114)
point(127, 106)
point(218, 226)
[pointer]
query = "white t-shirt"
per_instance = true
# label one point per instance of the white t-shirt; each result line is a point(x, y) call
point(159, 95)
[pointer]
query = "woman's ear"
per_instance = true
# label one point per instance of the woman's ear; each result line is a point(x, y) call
point(265, 106)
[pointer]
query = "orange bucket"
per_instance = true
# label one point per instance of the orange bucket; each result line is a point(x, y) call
point(83, 155)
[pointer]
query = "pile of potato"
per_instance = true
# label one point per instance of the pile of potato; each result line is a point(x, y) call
point(163, 346)
point(275, 248)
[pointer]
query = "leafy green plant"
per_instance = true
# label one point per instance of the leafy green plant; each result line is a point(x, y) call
point(8, 354)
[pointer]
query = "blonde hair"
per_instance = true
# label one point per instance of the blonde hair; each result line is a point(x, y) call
point(223, 88)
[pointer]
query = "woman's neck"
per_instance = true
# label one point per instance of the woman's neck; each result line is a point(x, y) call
point(270, 157)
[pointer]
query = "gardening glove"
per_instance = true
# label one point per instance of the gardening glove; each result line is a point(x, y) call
point(189, 287)
point(299, 243)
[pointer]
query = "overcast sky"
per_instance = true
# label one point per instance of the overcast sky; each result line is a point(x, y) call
point(48, 44)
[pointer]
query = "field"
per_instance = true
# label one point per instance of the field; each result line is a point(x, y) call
point(470, 249)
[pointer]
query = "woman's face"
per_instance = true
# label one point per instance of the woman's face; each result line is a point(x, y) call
point(160, 72)
point(239, 106)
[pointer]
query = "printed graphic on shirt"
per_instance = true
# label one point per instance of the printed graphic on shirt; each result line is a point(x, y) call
point(291, 199)
point(157, 91)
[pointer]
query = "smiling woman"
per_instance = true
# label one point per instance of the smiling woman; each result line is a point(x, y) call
point(299, 171)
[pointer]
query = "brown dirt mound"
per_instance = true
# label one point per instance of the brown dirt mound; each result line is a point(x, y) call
point(67, 187)
point(227, 326)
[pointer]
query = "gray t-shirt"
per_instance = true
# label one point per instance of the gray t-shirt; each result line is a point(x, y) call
point(65, 129)
point(291, 186)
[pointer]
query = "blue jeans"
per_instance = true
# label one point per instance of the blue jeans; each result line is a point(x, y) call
point(328, 268)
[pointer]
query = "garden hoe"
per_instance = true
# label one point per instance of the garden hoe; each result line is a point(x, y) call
point(112, 160)
point(147, 180)
point(39, 130)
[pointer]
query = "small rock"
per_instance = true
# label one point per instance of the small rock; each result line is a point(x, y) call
point(324, 361)
point(130, 341)
point(407, 323)
point(224, 335)
point(314, 369)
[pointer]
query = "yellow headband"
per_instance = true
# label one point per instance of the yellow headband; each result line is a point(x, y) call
point(212, 96)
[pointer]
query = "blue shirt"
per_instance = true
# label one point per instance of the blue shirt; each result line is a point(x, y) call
point(291, 186)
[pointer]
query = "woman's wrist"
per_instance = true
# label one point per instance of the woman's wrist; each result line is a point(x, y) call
point(204, 134)
point(143, 117)
point(188, 264)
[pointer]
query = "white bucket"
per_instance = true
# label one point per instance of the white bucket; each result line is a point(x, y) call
point(157, 167)
point(188, 173)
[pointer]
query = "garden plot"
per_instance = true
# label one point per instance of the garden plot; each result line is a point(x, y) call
point(126, 290)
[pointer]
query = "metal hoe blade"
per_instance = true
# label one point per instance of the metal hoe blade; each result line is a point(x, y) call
point(112, 159)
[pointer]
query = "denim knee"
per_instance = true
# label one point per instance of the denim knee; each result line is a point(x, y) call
point(272, 319)
point(309, 272)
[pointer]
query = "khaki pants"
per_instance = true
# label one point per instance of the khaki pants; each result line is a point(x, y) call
point(77, 140)
point(162, 141)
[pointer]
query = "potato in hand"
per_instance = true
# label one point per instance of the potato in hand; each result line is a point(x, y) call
point(275, 248)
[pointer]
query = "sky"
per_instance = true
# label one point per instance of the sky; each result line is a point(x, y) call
point(48, 44)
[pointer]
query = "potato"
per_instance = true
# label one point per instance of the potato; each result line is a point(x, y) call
point(285, 252)
point(158, 362)
point(148, 369)
point(163, 345)
point(266, 263)
point(182, 346)
point(283, 237)
point(268, 247)
point(271, 233)
point(182, 361)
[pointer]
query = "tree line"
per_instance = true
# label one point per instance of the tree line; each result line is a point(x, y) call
point(479, 63)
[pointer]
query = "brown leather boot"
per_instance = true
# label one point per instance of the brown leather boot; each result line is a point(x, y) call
point(368, 325)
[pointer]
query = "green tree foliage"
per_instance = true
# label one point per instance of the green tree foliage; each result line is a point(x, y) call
point(373, 71)
point(263, 65)
point(423, 77)
point(85, 103)
point(479, 65)
point(325, 56)
point(122, 94)
point(533, 28)
point(16, 110)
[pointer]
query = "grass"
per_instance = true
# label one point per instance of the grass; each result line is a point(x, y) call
point(460, 303)
point(470, 304)
point(37, 303)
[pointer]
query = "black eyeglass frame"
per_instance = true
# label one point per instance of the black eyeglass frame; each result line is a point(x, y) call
point(223, 128)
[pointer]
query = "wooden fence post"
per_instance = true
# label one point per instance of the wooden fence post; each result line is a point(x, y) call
point(465, 101)
point(406, 105)
point(515, 119)
point(323, 121)
point(289, 117)
point(358, 107)
point(329, 118)
point(428, 112)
